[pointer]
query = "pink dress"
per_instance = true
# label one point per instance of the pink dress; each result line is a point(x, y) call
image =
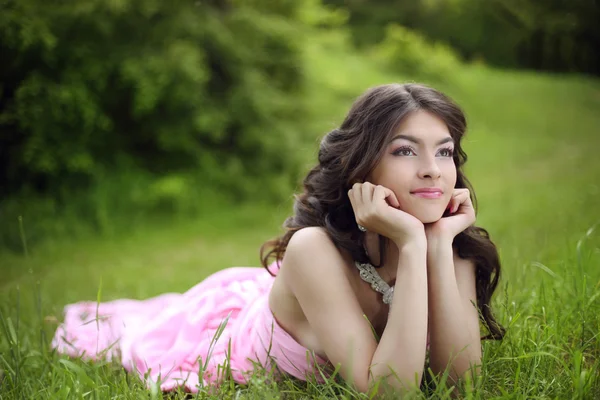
point(171, 336)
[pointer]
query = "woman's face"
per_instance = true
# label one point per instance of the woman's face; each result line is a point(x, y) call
point(418, 167)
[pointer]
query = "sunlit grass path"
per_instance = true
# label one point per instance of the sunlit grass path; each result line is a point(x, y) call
point(534, 145)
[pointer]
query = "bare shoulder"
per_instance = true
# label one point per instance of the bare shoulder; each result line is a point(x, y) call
point(311, 248)
point(312, 235)
point(317, 274)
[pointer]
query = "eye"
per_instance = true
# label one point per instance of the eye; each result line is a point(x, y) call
point(404, 151)
point(446, 152)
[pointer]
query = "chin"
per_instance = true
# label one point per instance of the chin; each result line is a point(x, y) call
point(428, 217)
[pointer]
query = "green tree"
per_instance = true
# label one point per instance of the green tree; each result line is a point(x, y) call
point(94, 86)
point(555, 35)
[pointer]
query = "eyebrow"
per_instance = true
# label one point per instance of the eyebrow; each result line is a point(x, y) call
point(417, 141)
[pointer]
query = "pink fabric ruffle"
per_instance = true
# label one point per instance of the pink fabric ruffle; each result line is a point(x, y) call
point(169, 337)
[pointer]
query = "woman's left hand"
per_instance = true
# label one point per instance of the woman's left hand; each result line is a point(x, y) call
point(460, 217)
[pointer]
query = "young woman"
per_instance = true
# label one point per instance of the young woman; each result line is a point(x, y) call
point(380, 264)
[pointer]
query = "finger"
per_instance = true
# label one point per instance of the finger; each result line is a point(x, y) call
point(461, 197)
point(453, 204)
point(355, 191)
point(392, 198)
point(387, 194)
point(458, 192)
point(465, 196)
point(460, 200)
point(355, 199)
point(367, 192)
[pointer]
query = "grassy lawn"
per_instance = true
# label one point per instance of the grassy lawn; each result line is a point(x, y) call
point(533, 148)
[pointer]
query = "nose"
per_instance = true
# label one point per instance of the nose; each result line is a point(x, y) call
point(429, 169)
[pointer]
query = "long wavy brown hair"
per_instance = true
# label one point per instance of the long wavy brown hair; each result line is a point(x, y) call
point(349, 153)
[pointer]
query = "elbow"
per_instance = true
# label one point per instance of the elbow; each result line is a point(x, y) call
point(473, 368)
point(360, 384)
point(362, 387)
point(470, 368)
point(382, 375)
point(465, 362)
point(364, 382)
point(403, 381)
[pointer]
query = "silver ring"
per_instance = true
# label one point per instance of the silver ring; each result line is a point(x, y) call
point(362, 228)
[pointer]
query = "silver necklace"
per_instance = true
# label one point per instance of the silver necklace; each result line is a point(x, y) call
point(369, 274)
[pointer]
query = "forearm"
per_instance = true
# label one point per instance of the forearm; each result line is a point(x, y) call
point(452, 338)
point(400, 355)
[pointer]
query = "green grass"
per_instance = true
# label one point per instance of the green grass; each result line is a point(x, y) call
point(533, 149)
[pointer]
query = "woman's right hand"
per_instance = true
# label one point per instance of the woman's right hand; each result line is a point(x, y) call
point(384, 217)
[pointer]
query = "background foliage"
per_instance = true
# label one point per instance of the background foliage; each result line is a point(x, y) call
point(550, 35)
point(95, 87)
point(145, 145)
point(133, 109)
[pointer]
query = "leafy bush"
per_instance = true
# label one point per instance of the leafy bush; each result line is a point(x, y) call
point(558, 35)
point(409, 53)
point(95, 86)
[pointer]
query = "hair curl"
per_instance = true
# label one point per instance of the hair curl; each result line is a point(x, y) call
point(348, 154)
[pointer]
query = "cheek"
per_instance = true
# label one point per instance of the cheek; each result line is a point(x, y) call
point(450, 173)
point(448, 199)
point(395, 176)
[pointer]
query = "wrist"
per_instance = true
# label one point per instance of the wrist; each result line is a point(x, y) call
point(439, 250)
point(435, 243)
point(412, 255)
point(415, 243)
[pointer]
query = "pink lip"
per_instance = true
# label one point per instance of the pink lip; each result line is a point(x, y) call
point(428, 193)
